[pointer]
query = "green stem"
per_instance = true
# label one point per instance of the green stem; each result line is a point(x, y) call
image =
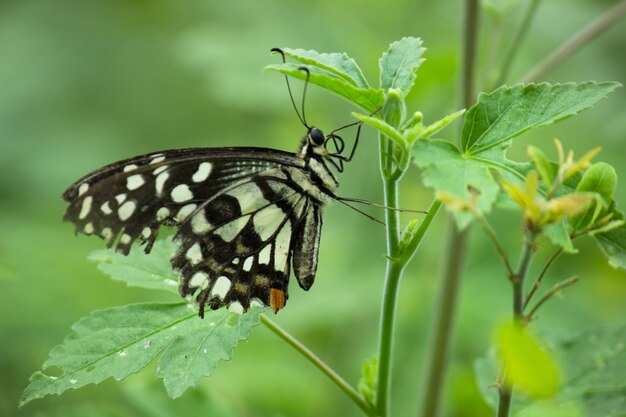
point(517, 42)
point(574, 43)
point(437, 356)
point(506, 390)
point(321, 365)
point(390, 293)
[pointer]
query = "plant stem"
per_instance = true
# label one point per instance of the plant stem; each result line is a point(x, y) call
point(390, 293)
point(506, 390)
point(321, 365)
point(574, 43)
point(517, 41)
point(539, 279)
point(440, 341)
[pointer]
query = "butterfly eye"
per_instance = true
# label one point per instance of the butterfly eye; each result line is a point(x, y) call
point(317, 136)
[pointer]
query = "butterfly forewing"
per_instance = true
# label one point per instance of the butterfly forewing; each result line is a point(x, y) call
point(129, 200)
point(235, 249)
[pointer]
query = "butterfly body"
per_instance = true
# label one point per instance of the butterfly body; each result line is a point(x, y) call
point(244, 216)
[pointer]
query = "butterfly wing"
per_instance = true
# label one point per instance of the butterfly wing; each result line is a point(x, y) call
point(130, 199)
point(235, 249)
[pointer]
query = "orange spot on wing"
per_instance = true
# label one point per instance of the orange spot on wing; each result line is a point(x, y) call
point(277, 299)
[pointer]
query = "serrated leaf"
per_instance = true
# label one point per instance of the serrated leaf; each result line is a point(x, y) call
point(558, 233)
point(339, 64)
point(119, 341)
point(613, 243)
point(529, 365)
point(507, 112)
point(370, 99)
point(488, 129)
point(399, 64)
point(446, 169)
point(138, 269)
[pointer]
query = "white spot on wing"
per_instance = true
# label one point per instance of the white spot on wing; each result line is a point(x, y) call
point(125, 239)
point(120, 198)
point(126, 210)
point(160, 182)
point(249, 197)
point(86, 207)
point(199, 279)
point(194, 254)
point(204, 169)
point(231, 229)
point(160, 169)
point(281, 247)
point(181, 193)
point(88, 228)
point(236, 308)
point(83, 188)
point(199, 223)
point(157, 159)
point(267, 220)
point(107, 233)
point(162, 213)
point(106, 209)
point(247, 264)
point(146, 232)
point(134, 181)
point(130, 167)
point(264, 255)
point(185, 211)
point(221, 287)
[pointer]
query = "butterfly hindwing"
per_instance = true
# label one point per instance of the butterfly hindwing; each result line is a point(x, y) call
point(130, 199)
point(235, 249)
point(305, 246)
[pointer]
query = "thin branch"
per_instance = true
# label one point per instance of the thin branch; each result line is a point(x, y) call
point(492, 236)
point(539, 279)
point(554, 290)
point(321, 365)
point(517, 42)
point(573, 44)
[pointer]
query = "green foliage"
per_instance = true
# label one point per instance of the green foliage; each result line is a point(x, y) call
point(529, 365)
point(368, 384)
point(399, 64)
point(339, 64)
point(119, 341)
point(593, 364)
point(138, 270)
point(489, 127)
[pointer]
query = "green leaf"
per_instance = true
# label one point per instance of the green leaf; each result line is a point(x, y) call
point(339, 64)
point(595, 364)
point(613, 243)
point(435, 127)
point(383, 127)
point(446, 169)
point(559, 234)
point(119, 341)
point(368, 384)
point(510, 111)
point(370, 99)
point(138, 269)
point(394, 109)
point(399, 64)
point(543, 165)
point(530, 367)
point(600, 179)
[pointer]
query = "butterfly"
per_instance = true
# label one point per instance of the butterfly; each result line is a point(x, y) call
point(244, 216)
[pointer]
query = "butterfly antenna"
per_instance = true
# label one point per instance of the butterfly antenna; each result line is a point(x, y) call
point(369, 203)
point(361, 212)
point(293, 102)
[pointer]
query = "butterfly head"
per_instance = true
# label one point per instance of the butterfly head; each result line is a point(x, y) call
point(318, 143)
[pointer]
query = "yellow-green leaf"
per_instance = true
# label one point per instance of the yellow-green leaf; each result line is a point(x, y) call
point(530, 367)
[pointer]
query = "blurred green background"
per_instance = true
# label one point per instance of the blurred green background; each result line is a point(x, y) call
point(85, 83)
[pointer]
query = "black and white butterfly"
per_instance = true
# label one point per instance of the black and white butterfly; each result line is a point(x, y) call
point(244, 215)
